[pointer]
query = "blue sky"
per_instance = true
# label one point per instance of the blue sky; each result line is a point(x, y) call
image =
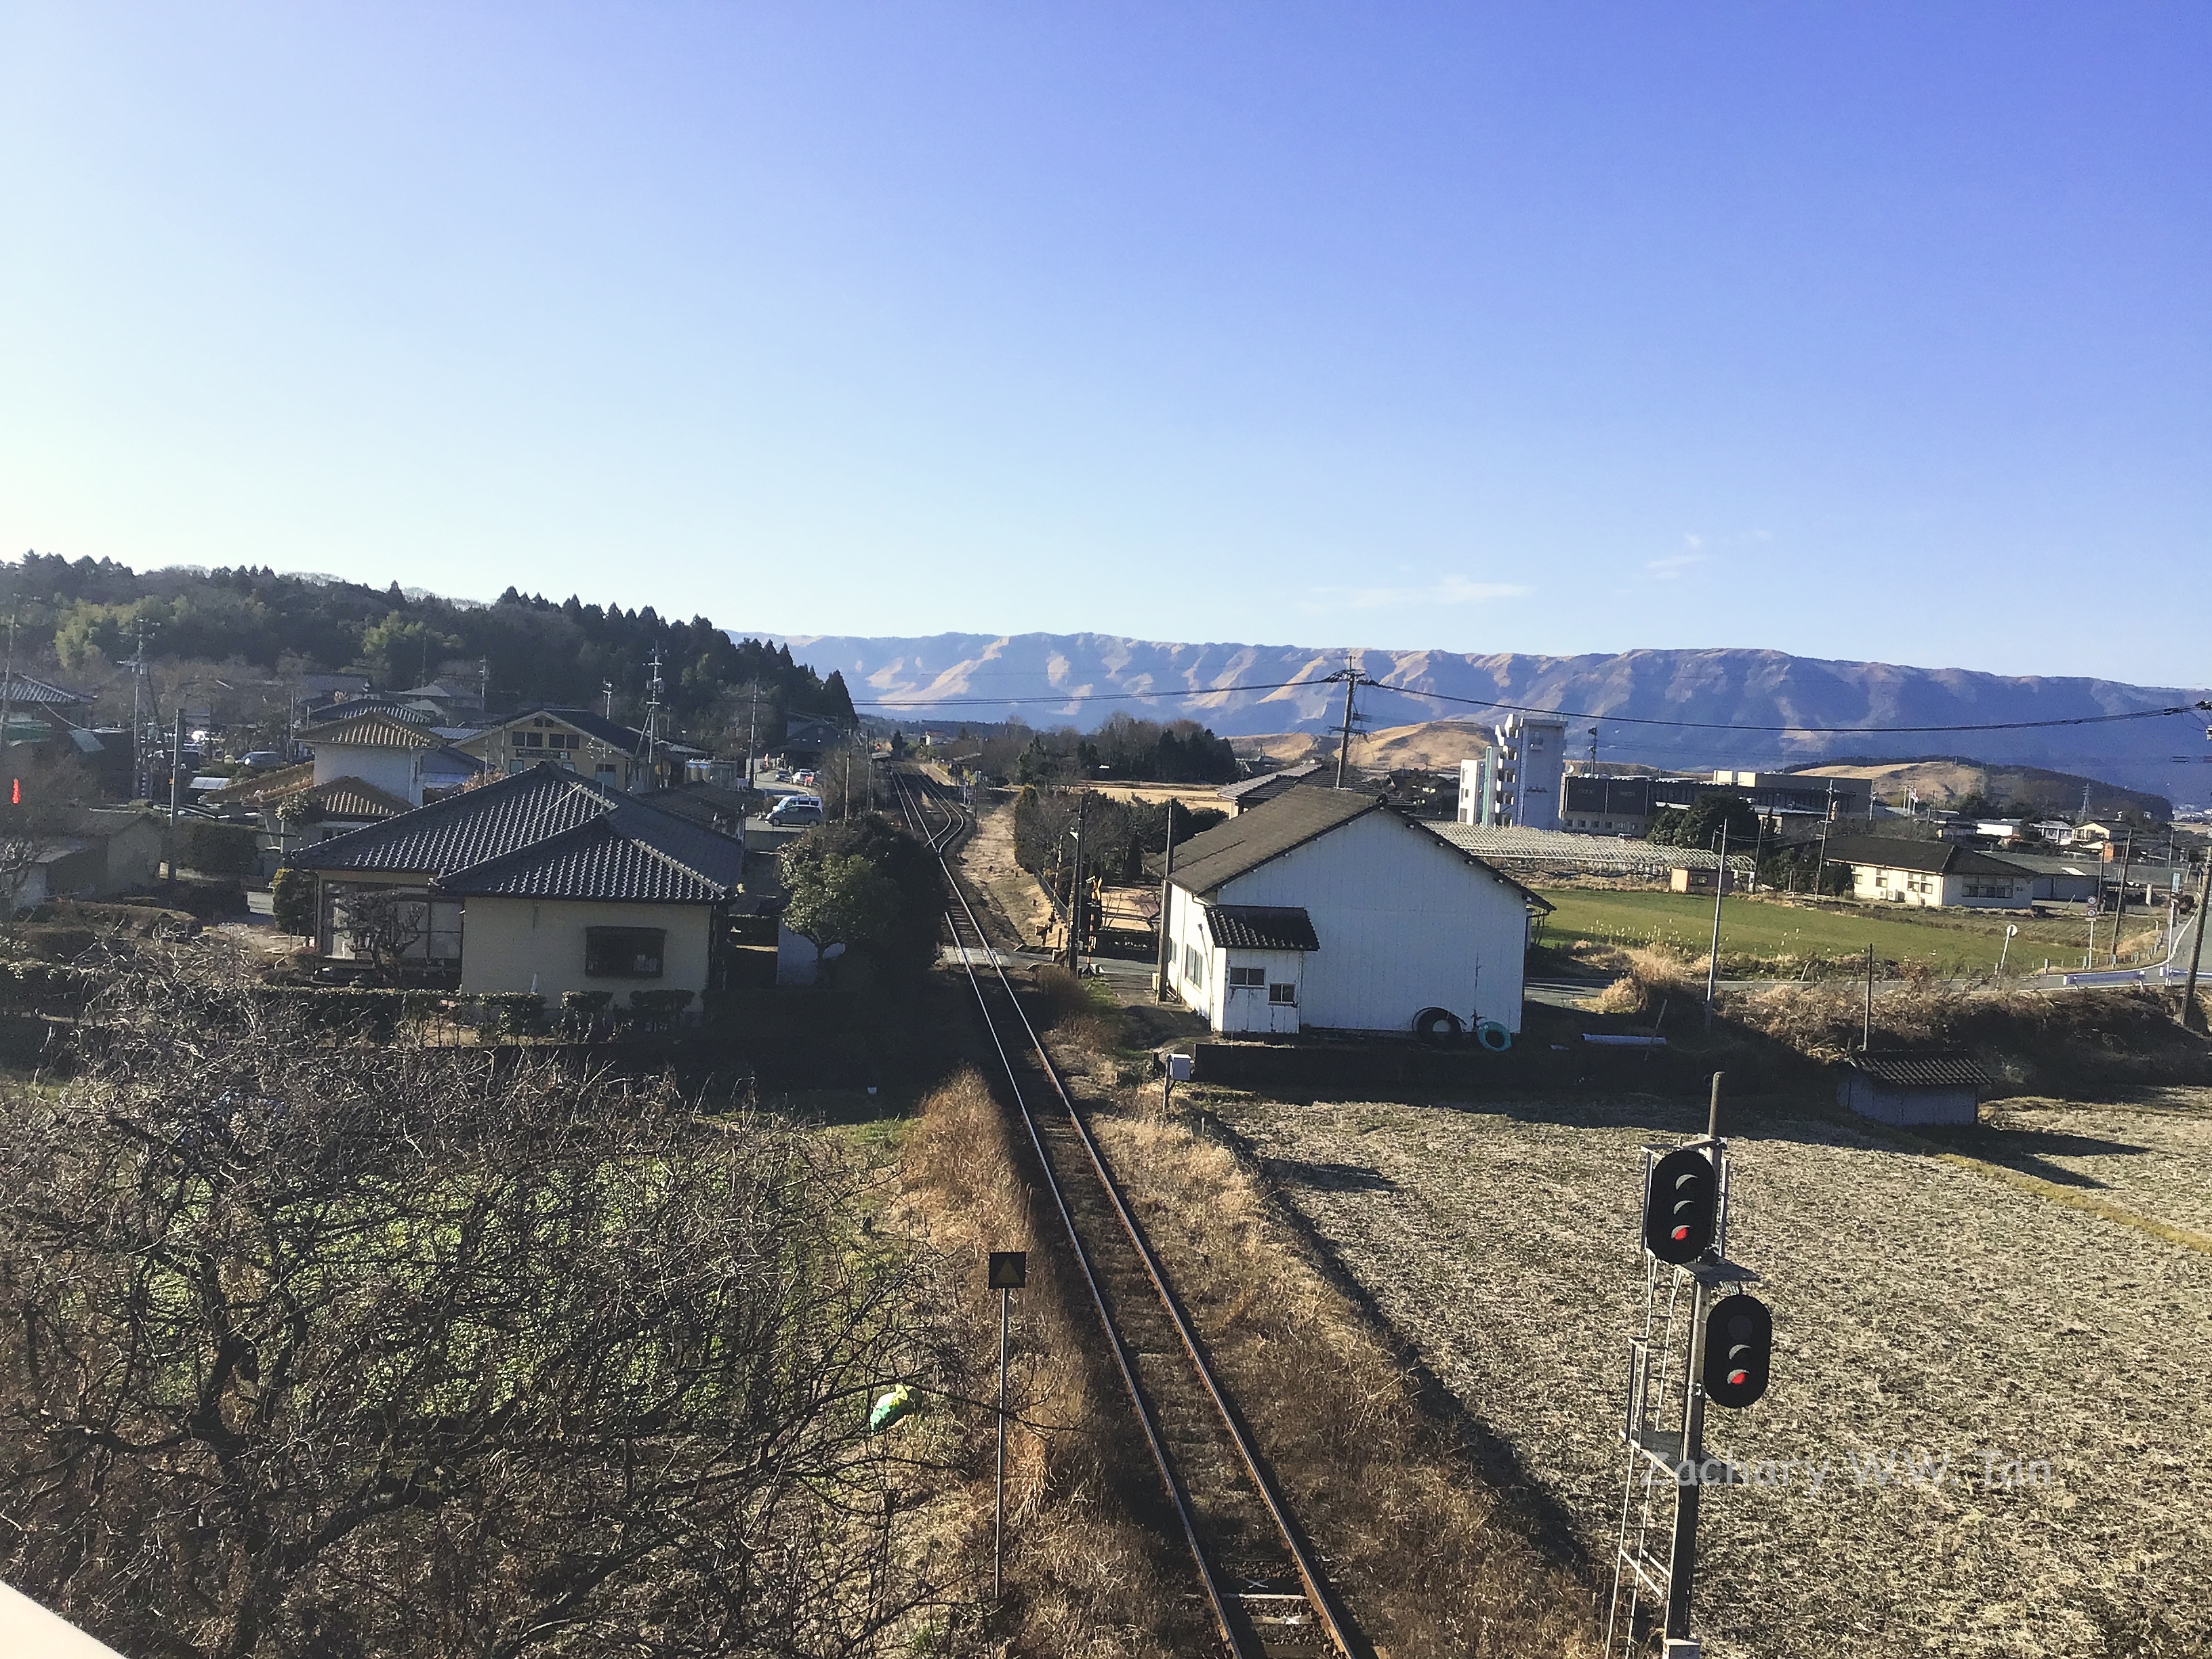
point(1867, 331)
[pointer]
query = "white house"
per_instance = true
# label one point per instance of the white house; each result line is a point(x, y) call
point(1930, 874)
point(1329, 910)
point(396, 757)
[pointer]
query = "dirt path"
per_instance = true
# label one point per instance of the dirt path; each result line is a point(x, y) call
point(989, 862)
point(1925, 1312)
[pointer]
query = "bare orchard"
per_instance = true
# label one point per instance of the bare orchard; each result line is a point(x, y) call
point(1988, 1429)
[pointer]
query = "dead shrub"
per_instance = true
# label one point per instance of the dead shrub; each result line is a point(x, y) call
point(1652, 976)
point(1079, 1010)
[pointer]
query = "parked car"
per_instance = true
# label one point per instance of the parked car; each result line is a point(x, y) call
point(795, 811)
point(261, 758)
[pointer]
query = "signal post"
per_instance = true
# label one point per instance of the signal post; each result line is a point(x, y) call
point(1725, 1348)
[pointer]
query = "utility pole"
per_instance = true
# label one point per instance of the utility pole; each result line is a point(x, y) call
point(1713, 961)
point(1866, 1029)
point(2120, 904)
point(2197, 947)
point(1353, 678)
point(1167, 899)
point(176, 780)
point(1075, 891)
point(1820, 875)
point(7, 687)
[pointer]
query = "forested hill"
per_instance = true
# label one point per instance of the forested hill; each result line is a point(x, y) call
point(1721, 698)
point(76, 619)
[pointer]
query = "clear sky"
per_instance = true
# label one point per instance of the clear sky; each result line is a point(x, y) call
point(1859, 331)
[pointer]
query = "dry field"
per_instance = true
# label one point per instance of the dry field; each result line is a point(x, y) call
point(1926, 1310)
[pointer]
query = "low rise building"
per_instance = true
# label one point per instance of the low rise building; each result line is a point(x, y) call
point(1930, 874)
point(1327, 908)
point(544, 881)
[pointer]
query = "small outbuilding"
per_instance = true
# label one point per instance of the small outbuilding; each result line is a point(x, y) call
point(1922, 1090)
point(1330, 909)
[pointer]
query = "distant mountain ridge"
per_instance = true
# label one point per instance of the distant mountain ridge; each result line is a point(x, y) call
point(996, 676)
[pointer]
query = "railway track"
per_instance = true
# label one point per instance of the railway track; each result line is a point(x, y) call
point(1259, 1575)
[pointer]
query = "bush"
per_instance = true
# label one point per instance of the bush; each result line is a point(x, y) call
point(513, 1013)
point(220, 849)
point(657, 1011)
point(45, 987)
point(584, 1011)
point(292, 896)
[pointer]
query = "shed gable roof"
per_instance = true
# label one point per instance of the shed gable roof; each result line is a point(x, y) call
point(1265, 832)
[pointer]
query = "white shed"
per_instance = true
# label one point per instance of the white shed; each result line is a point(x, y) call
point(1328, 909)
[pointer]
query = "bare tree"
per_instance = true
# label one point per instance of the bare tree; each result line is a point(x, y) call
point(42, 800)
point(351, 1351)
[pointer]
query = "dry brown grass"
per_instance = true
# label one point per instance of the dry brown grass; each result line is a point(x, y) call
point(1431, 1557)
point(1649, 977)
point(1083, 1581)
point(2024, 1039)
point(1920, 1308)
point(1083, 1018)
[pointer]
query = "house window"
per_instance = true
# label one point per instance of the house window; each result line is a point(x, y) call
point(1247, 978)
point(1283, 996)
point(529, 739)
point(1193, 965)
point(623, 952)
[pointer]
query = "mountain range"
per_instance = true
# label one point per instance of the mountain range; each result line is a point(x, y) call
point(1721, 698)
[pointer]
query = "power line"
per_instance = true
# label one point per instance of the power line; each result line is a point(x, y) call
point(1529, 708)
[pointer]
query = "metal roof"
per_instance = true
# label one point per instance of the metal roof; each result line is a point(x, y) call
point(1261, 927)
point(1261, 834)
point(1565, 849)
point(1265, 832)
point(511, 837)
point(1284, 778)
point(1928, 857)
point(1924, 1071)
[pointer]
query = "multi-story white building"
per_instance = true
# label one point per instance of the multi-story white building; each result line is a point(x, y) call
point(1517, 781)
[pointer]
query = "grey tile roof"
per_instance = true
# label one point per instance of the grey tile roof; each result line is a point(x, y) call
point(1933, 858)
point(22, 689)
point(1261, 927)
point(375, 728)
point(546, 833)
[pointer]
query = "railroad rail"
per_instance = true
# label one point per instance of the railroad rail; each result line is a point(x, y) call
point(1266, 1593)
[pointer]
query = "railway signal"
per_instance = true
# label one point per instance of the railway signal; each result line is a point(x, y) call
point(1739, 1351)
point(1681, 1205)
point(1009, 1271)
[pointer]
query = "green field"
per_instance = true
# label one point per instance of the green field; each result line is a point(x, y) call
point(1953, 942)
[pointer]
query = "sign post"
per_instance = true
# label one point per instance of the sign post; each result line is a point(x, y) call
point(1009, 1272)
point(1177, 1069)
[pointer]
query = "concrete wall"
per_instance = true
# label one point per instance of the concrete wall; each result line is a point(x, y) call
point(396, 771)
point(1952, 1108)
point(1405, 923)
point(506, 943)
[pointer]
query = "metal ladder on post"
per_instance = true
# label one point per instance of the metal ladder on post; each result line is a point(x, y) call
point(1664, 1465)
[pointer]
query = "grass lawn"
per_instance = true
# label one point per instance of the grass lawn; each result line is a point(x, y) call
point(1954, 942)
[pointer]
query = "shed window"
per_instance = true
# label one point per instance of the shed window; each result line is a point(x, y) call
point(1282, 995)
point(1241, 978)
point(623, 952)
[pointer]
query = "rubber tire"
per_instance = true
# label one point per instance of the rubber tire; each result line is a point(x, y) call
point(1437, 1026)
point(1485, 1029)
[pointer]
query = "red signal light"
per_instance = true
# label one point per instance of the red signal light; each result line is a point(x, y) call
point(1681, 1232)
point(1738, 1377)
point(16, 794)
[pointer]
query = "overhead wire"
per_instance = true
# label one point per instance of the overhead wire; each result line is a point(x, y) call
point(1192, 692)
